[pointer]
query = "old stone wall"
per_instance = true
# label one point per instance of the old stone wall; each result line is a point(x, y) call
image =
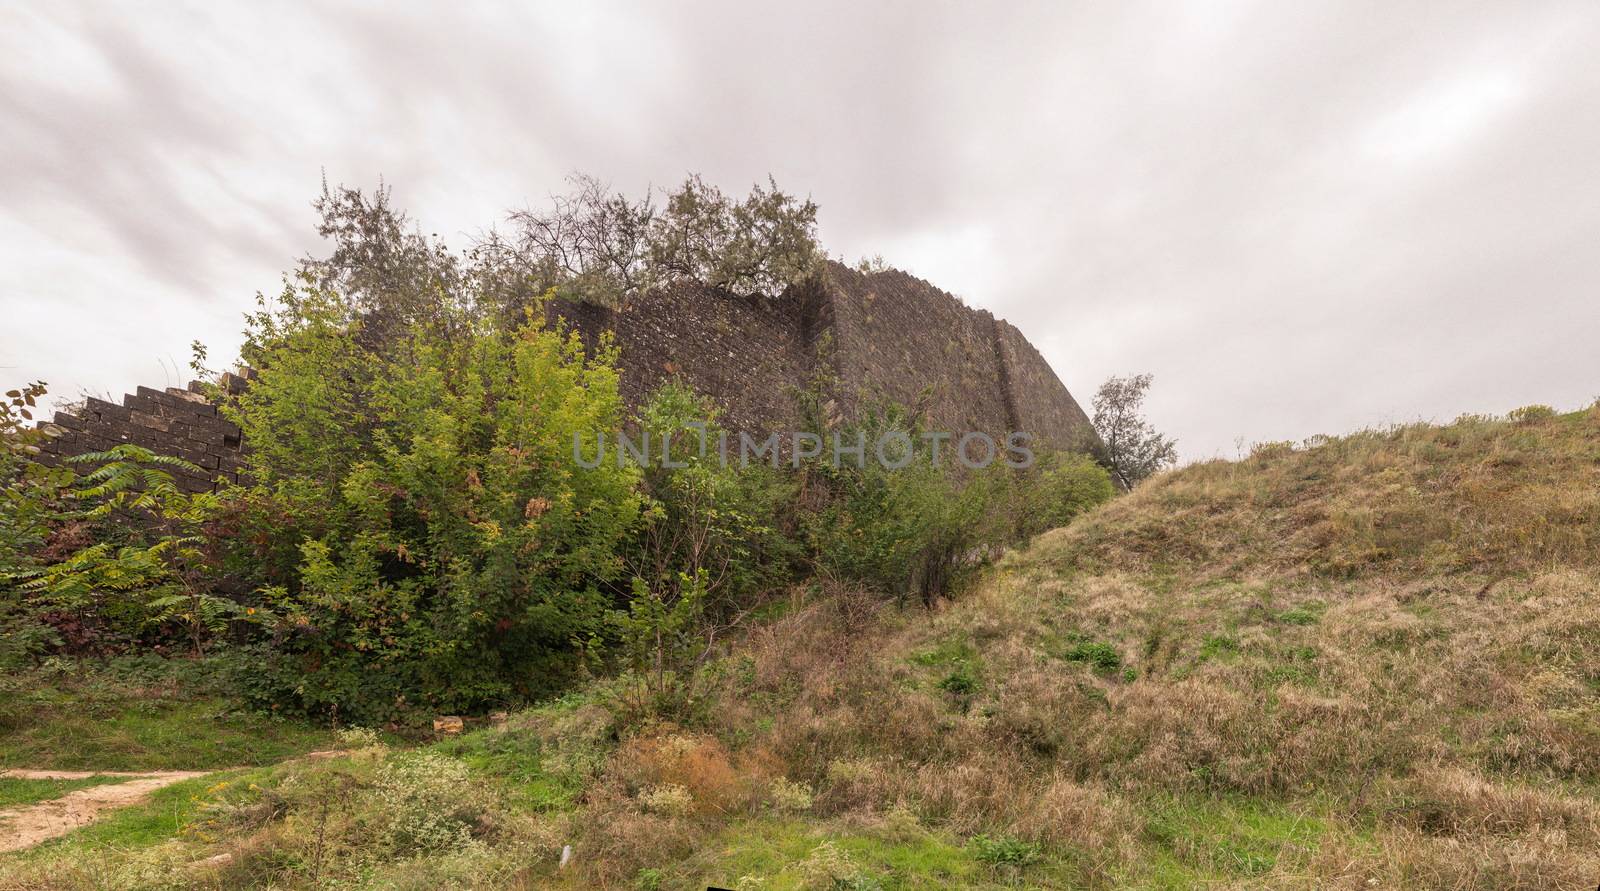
point(885, 336)
point(174, 422)
point(903, 340)
point(749, 353)
point(1041, 404)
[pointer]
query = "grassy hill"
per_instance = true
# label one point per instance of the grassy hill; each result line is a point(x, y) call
point(1366, 663)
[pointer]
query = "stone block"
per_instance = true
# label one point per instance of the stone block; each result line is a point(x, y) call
point(153, 422)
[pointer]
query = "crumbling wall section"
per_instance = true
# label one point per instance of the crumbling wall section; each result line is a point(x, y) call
point(174, 422)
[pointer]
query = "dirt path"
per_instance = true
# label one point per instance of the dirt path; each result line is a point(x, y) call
point(28, 825)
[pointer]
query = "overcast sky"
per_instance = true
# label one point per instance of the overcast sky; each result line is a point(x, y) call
point(1302, 218)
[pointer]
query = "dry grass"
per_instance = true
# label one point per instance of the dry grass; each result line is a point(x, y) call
point(1368, 664)
point(1393, 631)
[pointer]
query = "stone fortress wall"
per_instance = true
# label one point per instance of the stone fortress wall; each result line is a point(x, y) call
point(884, 336)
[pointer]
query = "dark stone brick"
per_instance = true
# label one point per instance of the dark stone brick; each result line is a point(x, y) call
point(104, 412)
point(153, 422)
point(70, 422)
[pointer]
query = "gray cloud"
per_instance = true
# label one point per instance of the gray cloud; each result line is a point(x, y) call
point(1304, 218)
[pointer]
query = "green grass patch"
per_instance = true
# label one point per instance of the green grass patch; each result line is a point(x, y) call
point(140, 714)
point(1102, 657)
point(948, 652)
point(152, 735)
point(1299, 615)
point(1203, 840)
point(775, 851)
point(962, 681)
point(1218, 646)
point(1005, 851)
point(514, 759)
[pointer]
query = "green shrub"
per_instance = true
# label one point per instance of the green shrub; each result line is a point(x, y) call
point(671, 799)
point(31, 493)
point(704, 516)
point(789, 796)
point(1005, 851)
point(428, 802)
point(962, 682)
point(422, 531)
point(1060, 487)
point(1102, 657)
point(900, 531)
point(134, 562)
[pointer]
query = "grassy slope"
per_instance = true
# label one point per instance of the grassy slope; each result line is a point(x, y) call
point(1370, 661)
point(1366, 664)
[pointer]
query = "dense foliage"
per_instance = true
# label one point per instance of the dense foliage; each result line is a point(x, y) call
point(415, 519)
point(416, 534)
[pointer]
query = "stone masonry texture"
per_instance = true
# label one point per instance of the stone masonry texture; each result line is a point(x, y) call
point(862, 338)
point(885, 337)
point(179, 423)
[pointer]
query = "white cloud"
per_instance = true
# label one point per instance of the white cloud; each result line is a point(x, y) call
point(1302, 217)
point(1442, 117)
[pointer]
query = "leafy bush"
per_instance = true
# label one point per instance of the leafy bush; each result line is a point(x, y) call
point(704, 517)
point(115, 553)
point(789, 796)
point(669, 799)
point(1061, 486)
point(30, 492)
point(829, 867)
point(359, 738)
point(899, 530)
point(422, 532)
point(429, 803)
point(30, 504)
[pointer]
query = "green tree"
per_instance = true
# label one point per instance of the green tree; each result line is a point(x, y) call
point(1134, 448)
point(760, 245)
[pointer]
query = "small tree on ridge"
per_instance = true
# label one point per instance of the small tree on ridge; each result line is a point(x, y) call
point(1134, 448)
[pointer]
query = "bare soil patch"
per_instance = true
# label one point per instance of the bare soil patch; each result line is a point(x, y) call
point(26, 826)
